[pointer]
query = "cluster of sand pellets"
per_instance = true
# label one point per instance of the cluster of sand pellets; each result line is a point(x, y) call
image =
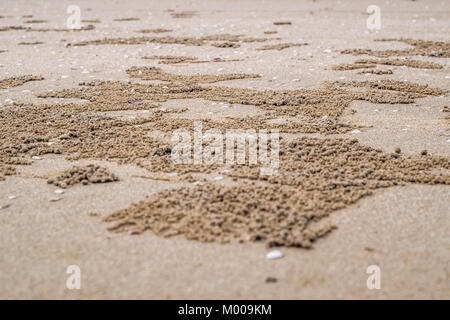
point(377, 71)
point(316, 176)
point(185, 59)
point(282, 23)
point(281, 46)
point(372, 63)
point(154, 73)
point(29, 29)
point(126, 19)
point(30, 43)
point(91, 21)
point(82, 175)
point(18, 81)
point(157, 30)
point(191, 41)
point(438, 49)
point(184, 14)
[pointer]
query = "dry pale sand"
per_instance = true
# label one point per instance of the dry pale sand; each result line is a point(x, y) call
point(402, 229)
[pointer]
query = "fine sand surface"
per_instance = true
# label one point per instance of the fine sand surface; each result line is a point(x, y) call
point(401, 227)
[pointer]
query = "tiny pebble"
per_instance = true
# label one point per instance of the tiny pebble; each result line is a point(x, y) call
point(356, 131)
point(275, 254)
point(134, 232)
point(271, 280)
point(36, 158)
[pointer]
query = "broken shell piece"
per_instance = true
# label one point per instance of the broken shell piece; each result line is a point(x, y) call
point(275, 254)
point(59, 191)
point(11, 197)
point(54, 199)
point(134, 232)
point(36, 158)
point(355, 131)
point(218, 178)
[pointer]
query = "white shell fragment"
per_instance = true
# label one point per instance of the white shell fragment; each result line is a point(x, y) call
point(59, 191)
point(11, 197)
point(275, 254)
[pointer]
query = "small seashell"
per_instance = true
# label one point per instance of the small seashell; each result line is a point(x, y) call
point(275, 254)
point(64, 77)
point(59, 191)
point(54, 199)
point(355, 131)
point(133, 232)
point(36, 158)
point(11, 197)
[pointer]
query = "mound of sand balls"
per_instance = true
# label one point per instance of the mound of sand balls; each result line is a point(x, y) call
point(84, 175)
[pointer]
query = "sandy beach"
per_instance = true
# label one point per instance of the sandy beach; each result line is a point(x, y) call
point(87, 176)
